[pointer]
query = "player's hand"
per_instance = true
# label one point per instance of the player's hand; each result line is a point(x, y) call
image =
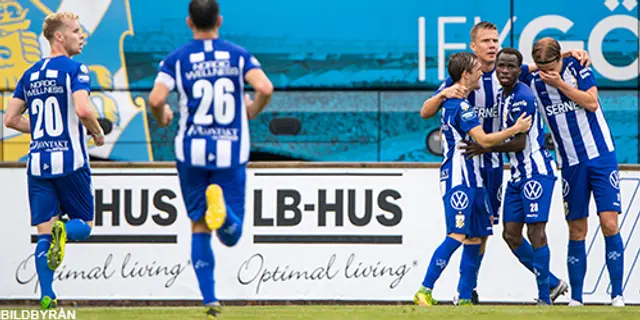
point(456, 91)
point(581, 55)
point(551, 78)
point(167, 116)
point(98, 139)
point(248, 102)
point(472, 149)
point(523, 124)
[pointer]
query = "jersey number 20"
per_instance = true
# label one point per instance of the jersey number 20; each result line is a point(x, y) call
point(224, 105)
point(49, 112)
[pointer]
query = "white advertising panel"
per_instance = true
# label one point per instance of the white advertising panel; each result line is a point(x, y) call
point(309, 234)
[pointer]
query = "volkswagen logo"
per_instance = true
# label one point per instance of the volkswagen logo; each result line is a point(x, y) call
point(565, 188)
point(614, 179)
point(532, 190)
point(459, 200)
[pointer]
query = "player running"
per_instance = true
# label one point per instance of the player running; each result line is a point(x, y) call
point(467, 211)
point(212, 143)
point(55, 91)
point(585, 151)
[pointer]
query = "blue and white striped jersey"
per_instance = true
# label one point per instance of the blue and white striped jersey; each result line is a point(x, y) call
point(209, 75)
point(484, 103)
point(58, 139)
point(534, 159)
point(458, 118)
point(578, 134)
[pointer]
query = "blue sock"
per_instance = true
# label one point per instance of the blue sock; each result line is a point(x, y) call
point(203, 263)
point(525, 255)
point(553, 280)
point(577, 265)
point(77, 229)
point(45, 275)
point(615, 262)
point(439, 261)
point(475, 283)
point(469, 270)
point(541, 257)
point(231, 231)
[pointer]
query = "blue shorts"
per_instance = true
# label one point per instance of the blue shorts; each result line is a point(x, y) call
point(599, 175)
point(194, 182)
point(493, 184)
point(467, 211)
point(529, 200)
point(71, 194)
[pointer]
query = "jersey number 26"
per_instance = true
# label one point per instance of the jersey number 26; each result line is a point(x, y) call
point(224, 109)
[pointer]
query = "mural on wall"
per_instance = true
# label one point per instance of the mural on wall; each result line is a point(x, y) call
point(384, 46)
point(106, 23)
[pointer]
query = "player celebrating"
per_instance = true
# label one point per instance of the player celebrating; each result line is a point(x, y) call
point(485, 43)
point(55, 91)
point(529, 192)
point(467, 211)
point(212, 143)
point(568, 98)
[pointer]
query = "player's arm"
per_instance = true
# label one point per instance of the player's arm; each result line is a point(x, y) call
point(586, 93)
point(87, 117)
point(164, 83)
point(158, 104)
point(17, 105)
point(80, 87)
point(517, 144)
point(489, 140)
point(587, 99)
point(13, 116)
point(446, 90)
point(264, 90)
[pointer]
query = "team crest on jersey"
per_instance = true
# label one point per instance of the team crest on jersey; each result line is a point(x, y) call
point(464, 106)
point(105, 24)
point(459, 220)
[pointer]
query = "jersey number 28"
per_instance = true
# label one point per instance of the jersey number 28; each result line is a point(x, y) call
point(224, 109)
